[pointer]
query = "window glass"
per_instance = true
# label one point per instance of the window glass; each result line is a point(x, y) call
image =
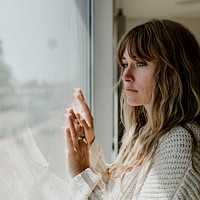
point(43, 55)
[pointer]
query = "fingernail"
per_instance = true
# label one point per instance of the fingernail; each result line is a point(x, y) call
point(70, 110)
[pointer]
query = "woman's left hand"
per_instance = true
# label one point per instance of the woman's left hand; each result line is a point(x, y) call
point(78, 151)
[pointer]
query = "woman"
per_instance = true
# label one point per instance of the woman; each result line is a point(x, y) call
point(160, 100)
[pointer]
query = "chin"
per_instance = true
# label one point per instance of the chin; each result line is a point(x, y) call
point(131, 103)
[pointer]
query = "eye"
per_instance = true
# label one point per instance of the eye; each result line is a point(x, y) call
point(124, 65)
point(141, 64)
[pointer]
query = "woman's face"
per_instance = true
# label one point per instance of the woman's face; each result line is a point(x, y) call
point(138, 80)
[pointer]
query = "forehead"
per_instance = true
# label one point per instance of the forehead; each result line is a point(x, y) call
point(127, 57)
point(126, 54)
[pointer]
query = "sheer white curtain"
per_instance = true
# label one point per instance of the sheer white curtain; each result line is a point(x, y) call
point(43, 56)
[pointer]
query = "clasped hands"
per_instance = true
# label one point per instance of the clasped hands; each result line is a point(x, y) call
point(79, 136)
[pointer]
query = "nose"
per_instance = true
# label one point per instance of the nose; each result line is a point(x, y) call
point(128, 75)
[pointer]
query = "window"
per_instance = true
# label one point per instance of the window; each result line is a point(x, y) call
point(47, 48)
point(45, 53)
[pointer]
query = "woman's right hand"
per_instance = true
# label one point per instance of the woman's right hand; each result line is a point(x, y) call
point(87, 120)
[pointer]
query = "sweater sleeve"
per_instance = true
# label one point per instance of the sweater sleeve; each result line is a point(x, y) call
point(171, 164)
point(92, 183)
point(98, 163)
point(88, 185)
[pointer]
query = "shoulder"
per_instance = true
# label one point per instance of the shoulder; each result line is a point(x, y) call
point(182, 136)
point(177, 132)
point(178, 137)
point(173, 163)
point(176, 145)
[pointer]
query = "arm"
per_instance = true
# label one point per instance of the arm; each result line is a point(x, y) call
point(88, 185)
point(98, 163)
point(85, 166)
point(91, 183)
point(171, 163)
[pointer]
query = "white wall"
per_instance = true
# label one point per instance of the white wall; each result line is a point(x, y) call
point(193, 24)
point(103, 74)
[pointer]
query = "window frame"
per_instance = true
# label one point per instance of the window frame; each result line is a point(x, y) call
point(102, 75)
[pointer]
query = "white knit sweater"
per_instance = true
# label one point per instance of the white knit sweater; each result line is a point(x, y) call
point(171, 176)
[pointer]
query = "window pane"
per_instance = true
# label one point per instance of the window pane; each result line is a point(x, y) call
point(43, 56)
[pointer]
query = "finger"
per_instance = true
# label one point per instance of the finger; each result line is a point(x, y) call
point(82, 121)
point(71, 112)
point(81, 94)
point(75, 119)
point(78, 91)
point(83, 148)
point(78, 127)
point(69, 141)
point(73, 131)
point(85, 107)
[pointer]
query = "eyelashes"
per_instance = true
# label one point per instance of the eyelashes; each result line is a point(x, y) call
point(141, 64)
point(137, 64)
point(124, 66)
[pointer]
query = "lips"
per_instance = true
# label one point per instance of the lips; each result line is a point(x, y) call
point(130, 90)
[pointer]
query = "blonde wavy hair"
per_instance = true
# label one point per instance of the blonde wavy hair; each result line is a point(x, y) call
point(176, 91)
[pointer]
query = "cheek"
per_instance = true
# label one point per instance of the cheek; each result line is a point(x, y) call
point(147, 90)
point(149, 95)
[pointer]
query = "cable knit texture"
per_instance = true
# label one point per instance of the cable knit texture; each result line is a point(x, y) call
point(174, 174)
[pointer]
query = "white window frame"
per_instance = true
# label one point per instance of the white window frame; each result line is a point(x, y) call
point(102, 95)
